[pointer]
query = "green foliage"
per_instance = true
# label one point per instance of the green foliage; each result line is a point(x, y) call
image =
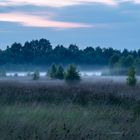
point(72, 74)
point(131, 80)
point(114, 60)
point(60, 72)
point(36, 75)
point(52, 71)
point(42, 52)
point(137, 63)
point(56, 72)
point(128, 61)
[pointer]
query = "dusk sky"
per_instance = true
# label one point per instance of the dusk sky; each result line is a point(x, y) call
point(105, 23)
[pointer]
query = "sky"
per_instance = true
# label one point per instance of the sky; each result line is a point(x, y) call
point(105, 23)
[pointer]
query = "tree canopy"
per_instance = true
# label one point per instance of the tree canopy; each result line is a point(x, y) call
point(41, 52)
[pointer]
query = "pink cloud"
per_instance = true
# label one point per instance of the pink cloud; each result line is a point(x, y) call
point(55, 3)
point(37, 21)
point(137, 1)
point(63, 3)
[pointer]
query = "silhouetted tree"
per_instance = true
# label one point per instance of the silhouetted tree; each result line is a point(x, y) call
point(72, 74)
point(52, 71)
point(41, 52)
point(36, 75)
point(60, 72)
point(131, 80)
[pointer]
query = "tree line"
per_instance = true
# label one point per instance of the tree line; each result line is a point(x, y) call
point(41, 52)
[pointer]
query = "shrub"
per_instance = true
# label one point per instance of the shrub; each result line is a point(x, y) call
point(36, 75)
point(52, 71)
point(60, 72)
point(131, 80)
point(72, 74)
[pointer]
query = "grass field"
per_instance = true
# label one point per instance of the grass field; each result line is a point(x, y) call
point(58, 111)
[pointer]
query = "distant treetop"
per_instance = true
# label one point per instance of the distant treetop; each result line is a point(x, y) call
point(41, 52)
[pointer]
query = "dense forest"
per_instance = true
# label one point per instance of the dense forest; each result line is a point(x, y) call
point(41, 52)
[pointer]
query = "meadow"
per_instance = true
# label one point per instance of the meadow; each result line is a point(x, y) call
point(55, 110)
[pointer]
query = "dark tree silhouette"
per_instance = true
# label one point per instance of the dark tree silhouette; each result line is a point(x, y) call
point(72, 74)
point(41, 52)
point(60, 72)
point(131, 80)
point(53, 71)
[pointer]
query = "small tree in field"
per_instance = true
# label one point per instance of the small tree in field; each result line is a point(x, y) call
point(52, 71)
point(36, 75)
point(131, 80)
point(72, 74)
point(60, 72)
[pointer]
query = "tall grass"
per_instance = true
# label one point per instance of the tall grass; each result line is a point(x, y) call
point(65, 121)
point(82, 93)
point(86, 111)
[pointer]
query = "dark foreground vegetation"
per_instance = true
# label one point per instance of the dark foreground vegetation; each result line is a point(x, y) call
point(41, 52)
point(61, 111)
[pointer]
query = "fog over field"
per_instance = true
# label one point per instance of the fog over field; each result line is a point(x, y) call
point(42, 74)
point(69, 70)
point(87, 76)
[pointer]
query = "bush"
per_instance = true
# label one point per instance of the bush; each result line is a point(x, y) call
point(72, 74)
point(60, 72)
point(52, 71)
point(36, 75)
point(131, 80)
